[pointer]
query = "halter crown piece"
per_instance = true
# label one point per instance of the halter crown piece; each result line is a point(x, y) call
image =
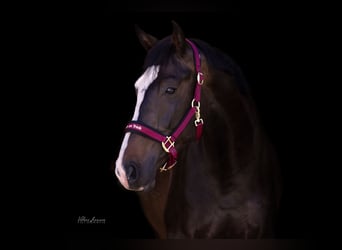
point(168, 141)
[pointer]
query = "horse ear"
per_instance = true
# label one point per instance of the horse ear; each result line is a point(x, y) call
point(178, 38)
point(146, 40)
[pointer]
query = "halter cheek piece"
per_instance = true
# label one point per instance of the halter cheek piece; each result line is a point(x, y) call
point(168, 142)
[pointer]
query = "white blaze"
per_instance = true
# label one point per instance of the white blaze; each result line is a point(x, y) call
point(141, 85)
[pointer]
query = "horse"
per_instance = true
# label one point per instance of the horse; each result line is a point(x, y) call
point(195, 151)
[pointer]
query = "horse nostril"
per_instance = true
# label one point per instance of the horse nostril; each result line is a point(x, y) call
point(131, 172)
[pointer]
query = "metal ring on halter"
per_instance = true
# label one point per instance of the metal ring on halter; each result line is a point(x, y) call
point(197, 104)
point(163, 168)
point(198, 122)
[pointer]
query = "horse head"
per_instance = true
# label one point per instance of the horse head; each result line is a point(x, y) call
point(168, 100)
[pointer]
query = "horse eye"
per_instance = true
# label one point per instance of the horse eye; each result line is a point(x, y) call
point(170, 90)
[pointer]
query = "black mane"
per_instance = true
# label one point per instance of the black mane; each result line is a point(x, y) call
point(221, 61)
point(164, 50)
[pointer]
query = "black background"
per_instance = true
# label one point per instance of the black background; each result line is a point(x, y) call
point(90, 59)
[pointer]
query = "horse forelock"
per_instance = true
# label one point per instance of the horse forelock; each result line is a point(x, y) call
point(160, 54)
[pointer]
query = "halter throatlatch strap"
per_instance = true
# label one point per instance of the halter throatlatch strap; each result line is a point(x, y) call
point(168, 142)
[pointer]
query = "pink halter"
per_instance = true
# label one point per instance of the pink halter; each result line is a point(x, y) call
point(168, 142)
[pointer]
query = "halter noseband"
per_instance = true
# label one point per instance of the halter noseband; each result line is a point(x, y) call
point(168, 142)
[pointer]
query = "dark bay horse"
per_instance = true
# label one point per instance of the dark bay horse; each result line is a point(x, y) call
point(195, 151)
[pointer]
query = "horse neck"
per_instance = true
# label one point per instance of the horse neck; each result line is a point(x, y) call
point(228, 144)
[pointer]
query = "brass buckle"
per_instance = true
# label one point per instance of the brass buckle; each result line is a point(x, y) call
point(200, 78)
point(168, 141)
